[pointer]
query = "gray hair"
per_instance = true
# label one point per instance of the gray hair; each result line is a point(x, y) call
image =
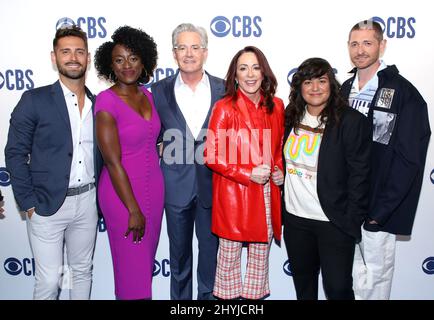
point(188, 27)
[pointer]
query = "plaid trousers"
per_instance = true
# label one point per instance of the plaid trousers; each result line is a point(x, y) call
point(228, 283)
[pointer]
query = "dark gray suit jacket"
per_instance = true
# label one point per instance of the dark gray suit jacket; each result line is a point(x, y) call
point(184, 173)
point(40, 128)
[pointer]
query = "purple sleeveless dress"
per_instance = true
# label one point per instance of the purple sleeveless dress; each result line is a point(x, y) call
point(133, 263)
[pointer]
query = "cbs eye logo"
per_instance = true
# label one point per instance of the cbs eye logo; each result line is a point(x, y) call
point(397, 27)
point(244, 26)
point(290, 74)
point(428, 265)
point(287, 268)
point(431, 176)
point(93, 26)
point(14, 267)
point(163, 268)
point(5, 177)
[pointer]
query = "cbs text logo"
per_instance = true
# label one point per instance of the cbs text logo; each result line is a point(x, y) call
point(15, 267)
point(16, 79)
point(159, 74)
point(162, 268)
point(245, 26)
point(397, 27)
point(93, 26)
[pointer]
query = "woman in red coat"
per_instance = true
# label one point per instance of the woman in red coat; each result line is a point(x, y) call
point(243, 149)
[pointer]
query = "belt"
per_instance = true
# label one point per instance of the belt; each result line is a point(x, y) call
point(79, 190)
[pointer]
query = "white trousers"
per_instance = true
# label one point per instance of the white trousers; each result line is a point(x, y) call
point(74, 224)
point(374, 262)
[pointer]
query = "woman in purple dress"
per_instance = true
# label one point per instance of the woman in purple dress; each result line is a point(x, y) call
point(131, 187)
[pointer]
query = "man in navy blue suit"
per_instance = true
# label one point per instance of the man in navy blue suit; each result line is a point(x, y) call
point(54, 164)
point(184, 102)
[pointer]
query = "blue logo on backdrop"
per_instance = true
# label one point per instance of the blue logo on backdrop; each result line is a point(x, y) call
point(14, 266)
point(244, 26)
point(294, 70)
point(432, 176)
point(428, 265)
point(5, 177)
point(287, 268)
point(93, 26)
point(163, 268)
point(17, 79)
point(160, 73)
point(290, 74)
point(397, 27)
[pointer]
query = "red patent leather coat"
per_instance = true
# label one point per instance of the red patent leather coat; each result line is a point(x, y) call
point(238, 209)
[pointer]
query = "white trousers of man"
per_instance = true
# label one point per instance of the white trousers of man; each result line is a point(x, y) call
point(374, 262)
point(74, 224)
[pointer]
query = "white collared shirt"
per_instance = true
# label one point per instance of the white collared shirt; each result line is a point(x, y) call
point(82, 166)
point(360, 99)
point(194, 105)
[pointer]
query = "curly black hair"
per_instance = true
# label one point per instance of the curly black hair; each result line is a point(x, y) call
point(138, 41)
point(309, 69)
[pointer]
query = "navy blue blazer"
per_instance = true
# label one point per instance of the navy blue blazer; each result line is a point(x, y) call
point(187, 176)
point(397, 167)
point(39, 149)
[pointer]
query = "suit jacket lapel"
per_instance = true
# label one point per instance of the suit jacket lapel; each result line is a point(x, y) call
point(60, 103)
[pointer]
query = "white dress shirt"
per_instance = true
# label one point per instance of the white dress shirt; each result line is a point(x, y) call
point(195, 104)
point(82, 166)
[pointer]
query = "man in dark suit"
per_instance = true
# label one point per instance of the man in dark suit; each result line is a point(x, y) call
point(54, 166)
point(184, 102)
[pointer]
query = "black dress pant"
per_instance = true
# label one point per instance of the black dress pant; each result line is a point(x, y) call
point(315, 246)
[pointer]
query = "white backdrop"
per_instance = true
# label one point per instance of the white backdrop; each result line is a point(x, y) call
point(287, 32)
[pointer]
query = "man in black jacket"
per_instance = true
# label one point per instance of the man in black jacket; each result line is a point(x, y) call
point(395, 107)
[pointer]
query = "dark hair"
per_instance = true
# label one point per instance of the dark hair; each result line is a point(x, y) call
point(138, 41)
point(309, 69)
point(368, 25)
point(268, 85)
point(69, 31)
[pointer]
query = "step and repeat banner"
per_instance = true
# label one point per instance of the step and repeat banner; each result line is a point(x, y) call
point(287, 32)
